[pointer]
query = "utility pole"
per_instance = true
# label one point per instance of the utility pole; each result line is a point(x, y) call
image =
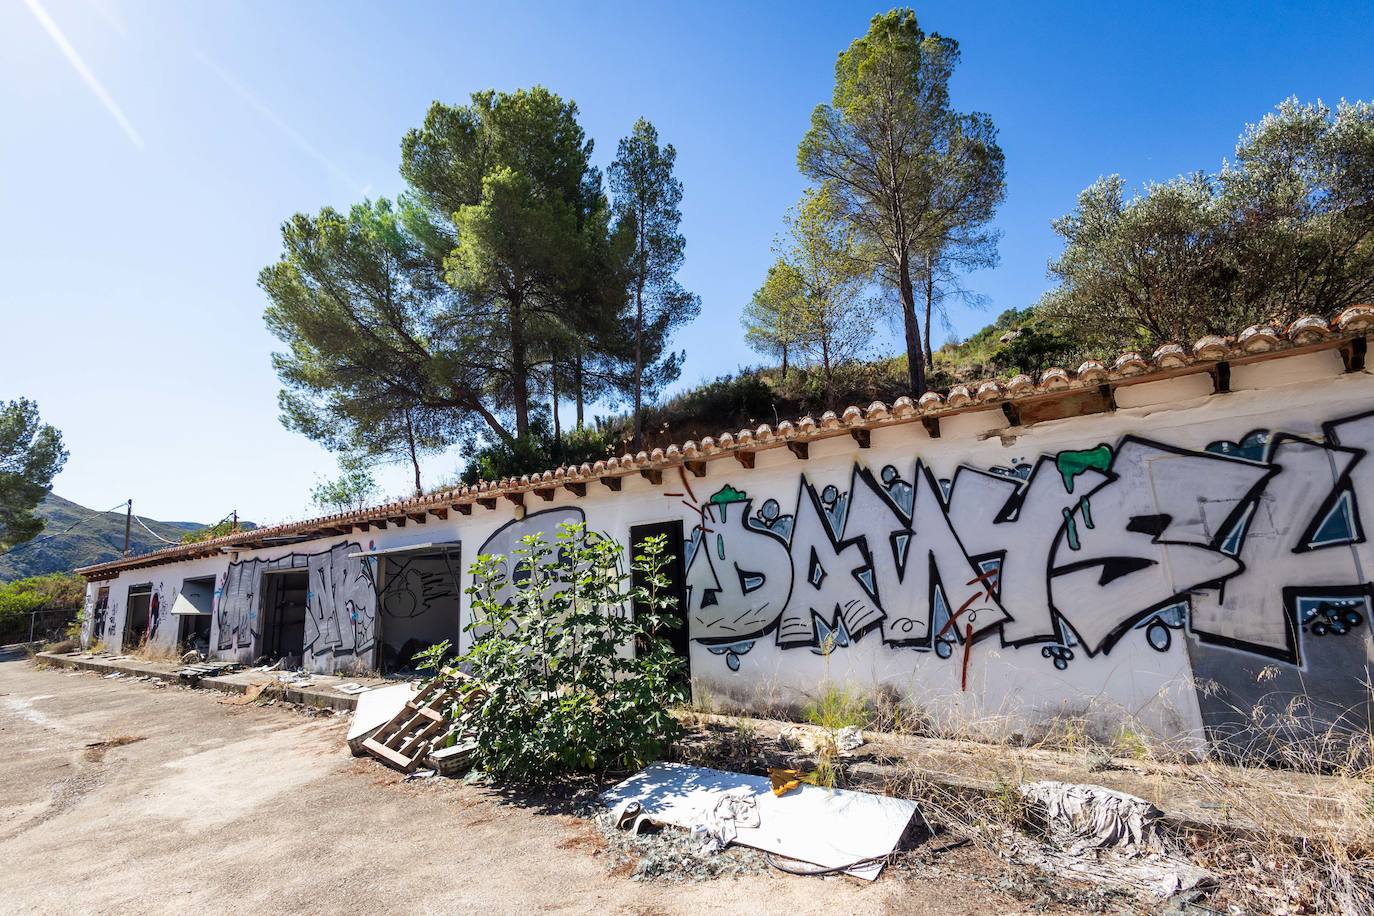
point(235, 525)
point(128, 520)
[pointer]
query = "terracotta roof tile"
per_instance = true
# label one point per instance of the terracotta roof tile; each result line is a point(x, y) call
point(1256, 342)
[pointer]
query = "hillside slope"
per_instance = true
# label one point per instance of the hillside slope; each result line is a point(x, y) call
point(94, 540)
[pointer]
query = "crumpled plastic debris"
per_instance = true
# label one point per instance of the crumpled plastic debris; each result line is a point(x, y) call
point(720, 823)
point(1095, 817)
point(849, 737)
point(1105, 836)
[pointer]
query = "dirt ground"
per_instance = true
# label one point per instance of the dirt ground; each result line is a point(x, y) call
point(125, 797)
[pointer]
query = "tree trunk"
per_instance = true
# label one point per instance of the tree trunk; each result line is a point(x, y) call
point(577, 385)
point(930, 302)
point(520, 383)
point(414, 456)
point(912, 326)
point(639, 367)
point(553, 389)
point(829, 375)
point(784, 362)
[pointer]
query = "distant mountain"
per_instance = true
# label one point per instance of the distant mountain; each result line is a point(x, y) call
point(96, 537)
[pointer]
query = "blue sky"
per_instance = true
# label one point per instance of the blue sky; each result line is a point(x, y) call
point(142, 189)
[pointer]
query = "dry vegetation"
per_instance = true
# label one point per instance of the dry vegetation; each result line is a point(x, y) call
point(1292, 805)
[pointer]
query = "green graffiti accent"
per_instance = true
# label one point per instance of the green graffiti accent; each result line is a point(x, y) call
point(1071, 529)
point(720, 545)
point(724, 497)
point(1072, 463)
point(1087, 511)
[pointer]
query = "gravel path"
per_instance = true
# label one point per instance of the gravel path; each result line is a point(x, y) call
point(126, 797)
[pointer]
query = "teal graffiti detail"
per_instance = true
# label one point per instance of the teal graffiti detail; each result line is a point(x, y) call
point(1072, 463)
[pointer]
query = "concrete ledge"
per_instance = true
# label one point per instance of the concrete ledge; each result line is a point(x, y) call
point(319, 694)
point(1190, 803)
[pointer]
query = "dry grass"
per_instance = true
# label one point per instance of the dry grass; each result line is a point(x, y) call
point(156, 653)
point(1302, 786)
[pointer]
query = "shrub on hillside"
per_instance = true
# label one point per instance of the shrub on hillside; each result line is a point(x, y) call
point(536, 451)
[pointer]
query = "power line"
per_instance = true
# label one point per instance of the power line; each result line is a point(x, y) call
point(62, 532)
point(154, 533)
point(79, 521)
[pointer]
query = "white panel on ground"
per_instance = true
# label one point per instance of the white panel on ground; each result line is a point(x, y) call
point(375, 708)
point(832, 828)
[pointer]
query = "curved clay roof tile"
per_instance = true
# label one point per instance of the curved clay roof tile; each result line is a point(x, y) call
point(1131, 363)
point(1090, 370)
point(1213, 346)
point(1356, 318)
point(1054, 379)
point(1020, 385)
point(1258, 339)
point(1170, 356)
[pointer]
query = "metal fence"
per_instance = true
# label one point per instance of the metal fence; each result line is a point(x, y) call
point(46, 625)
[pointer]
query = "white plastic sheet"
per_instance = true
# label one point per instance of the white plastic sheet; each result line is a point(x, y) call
point(831, 828)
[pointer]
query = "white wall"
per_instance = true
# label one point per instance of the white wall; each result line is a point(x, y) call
point(1106, 585)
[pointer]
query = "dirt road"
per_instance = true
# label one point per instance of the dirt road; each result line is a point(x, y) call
point(192, 804)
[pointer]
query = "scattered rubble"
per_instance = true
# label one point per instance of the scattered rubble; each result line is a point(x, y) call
point(673, 855)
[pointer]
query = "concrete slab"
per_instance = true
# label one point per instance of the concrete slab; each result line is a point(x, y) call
point(320, 692)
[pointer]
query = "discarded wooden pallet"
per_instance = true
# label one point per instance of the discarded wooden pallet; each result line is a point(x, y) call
point(404, 740)
point(193, 673)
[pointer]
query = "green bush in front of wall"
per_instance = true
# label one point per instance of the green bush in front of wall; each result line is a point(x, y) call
point(566, 676)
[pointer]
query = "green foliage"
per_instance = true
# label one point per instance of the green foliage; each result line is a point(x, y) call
point(536, 451)
point(648, 246)
point(1284, 230)
point(838, 706)
point(353, 489)
point(571, 679)
point(372, 368)
point(31, 454)
point(209, 532)
point(912, 175)
point(770, 318)
point(18, 599)
point(509, 182)
point(812, 301)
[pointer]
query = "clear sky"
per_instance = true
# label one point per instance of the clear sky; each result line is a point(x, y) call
point(150, 150)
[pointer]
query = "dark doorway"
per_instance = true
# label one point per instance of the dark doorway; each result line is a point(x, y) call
point(193, 609)
point(136, 615)
point(677, 636)
point(285, 607)
point(418, 604)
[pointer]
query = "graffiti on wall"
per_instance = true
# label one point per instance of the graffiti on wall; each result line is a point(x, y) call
point(419, 604)
point(1247, 544)
point(341, 603)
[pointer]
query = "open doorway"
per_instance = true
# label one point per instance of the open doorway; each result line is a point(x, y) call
point(675, 571)
point(285, 604)
point(192, 610)
point(136, 616)
point(418, 602)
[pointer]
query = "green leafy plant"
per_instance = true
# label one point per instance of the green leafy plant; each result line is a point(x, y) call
point(565, 676)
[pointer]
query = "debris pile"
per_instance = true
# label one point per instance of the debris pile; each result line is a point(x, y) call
point(673, 855)
point(1105, 836)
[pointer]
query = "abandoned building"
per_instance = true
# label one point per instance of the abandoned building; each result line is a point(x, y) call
point(1170, 541)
